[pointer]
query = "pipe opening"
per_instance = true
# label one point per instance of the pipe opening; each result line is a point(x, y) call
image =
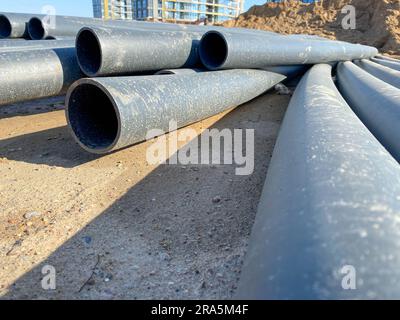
point(5, 27)
point(92, 117)
point(89, 53)
point(35, 29)
point(213, 50)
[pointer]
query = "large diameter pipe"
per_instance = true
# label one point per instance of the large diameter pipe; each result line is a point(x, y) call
point(375, 102)
point(107, 114)
point(70, 26)
point(223, 51)
point(383, 73)
point(113, 51)
point(14, 25)
point(329, 211)
point(27, 75)
point(12, 45)
point(390, 64)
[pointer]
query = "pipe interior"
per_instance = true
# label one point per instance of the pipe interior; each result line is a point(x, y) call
point(92, 117)
point(89, 52)
point(5, 27)
point(35, 29)
point(213, 50)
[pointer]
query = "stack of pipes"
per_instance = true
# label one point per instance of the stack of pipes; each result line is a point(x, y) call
point(331, 197)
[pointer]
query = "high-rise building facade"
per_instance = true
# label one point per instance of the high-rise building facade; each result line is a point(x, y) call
point(184, 11)
point(113, 9)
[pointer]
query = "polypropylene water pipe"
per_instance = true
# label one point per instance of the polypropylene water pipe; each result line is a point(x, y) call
point(14, 25)
point(27, 75)
point(113, 51)
point(107, 114)
point(390, 64)
point(329, 208)
point(375, 102)
point(383, 73)
point(12, 45)
point(70, 26)
point(379, 56)
point(222, 51)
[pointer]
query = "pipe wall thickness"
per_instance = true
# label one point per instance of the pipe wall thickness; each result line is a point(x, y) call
point(27, 75)
point(375, 102)
point(107, 114)
point(330, 203)
point(14, 25)
point(223, 51)
point(113, 51)
point(383, 73)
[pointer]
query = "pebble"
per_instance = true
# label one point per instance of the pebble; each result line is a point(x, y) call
point(30, 215)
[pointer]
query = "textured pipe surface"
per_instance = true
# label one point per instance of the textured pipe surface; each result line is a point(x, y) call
point(70, 26)
point(390, 64)
point(178, 71)
point(381, 72)
point(107, 114)
point(12, 45)
point(331, 199)
point(14, 25)
point(113, 51)
point(375, 102)
point(27, 75)
point(223, 51)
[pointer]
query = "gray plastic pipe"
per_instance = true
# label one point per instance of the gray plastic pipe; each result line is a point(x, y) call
point(107, 114)
point(383, 73)
point(70, 26)
point(223, 51)
point(14, 25)
point(113, 51)
point(27, 75)
point(375, 102)
point(12, 45)
point(382, 57)
point(330, 206)
point(390, 64)
point(287, 71)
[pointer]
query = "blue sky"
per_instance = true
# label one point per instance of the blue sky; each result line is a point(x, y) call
point(66, 7)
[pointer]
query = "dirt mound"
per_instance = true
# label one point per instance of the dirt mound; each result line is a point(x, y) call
point(377, 23)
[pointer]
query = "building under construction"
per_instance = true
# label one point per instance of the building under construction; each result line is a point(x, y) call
point(183, 11)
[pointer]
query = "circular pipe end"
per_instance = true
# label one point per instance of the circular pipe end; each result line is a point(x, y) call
point(5, 27)
point(36, 29)
point(92, 116)
point(213, 50)
point(89, 52)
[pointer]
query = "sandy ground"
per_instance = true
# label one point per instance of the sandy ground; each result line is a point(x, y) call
point(116, 227)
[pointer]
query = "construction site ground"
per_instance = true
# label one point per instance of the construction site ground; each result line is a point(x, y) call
point(115, 227)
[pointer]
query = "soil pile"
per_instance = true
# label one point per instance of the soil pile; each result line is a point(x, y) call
point(377, 21)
